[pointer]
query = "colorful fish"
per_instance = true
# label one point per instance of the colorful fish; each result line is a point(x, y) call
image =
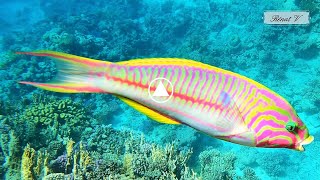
point(215, 101)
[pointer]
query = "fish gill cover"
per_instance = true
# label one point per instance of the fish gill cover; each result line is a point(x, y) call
point(95, 136)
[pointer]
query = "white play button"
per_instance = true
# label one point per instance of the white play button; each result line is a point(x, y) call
point(160, 90)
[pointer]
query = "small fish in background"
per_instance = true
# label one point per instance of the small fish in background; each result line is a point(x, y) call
point(215, 101)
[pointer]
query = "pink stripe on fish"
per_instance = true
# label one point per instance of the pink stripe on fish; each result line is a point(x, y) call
point(217, 86)
point(275, 114)
point(225, 83)
point(259, 103)
point(184, 80)
point(191, 80)
point(264, 135)
point(243, 90)
point(134, 74)
point(268, 122)
point(140, 72)
point(203, 85)
point(272, 96)
point(127, 74)
point(246, 103)
point(179, 78)
point(173, 70)
point(210, 87)
point(158, 71)
point(236, 84)
point(197, 84)
point(230, 87)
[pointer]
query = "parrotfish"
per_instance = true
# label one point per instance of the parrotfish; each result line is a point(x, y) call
point(217, 102)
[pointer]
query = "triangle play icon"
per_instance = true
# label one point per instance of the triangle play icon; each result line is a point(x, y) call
point(160, 91)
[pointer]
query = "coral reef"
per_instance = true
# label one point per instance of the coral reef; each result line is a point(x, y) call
point(215, 165)
point(33, 164)
point(26, 68)
point(7, 58)
point(74, 131)
point(276, 167)
point(312, 93)
point(11, 151)
point(48, 123)
point(104, 139)
point(219, 165)
point(63, 111)
point(312, 6)
point(63, 118)
point(181, 135)
point(309, 101)
point(154, 162)
point(6, 108)
point(249, 174)
point(140, 160)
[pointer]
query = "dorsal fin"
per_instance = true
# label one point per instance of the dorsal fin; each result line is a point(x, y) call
point(149, 112)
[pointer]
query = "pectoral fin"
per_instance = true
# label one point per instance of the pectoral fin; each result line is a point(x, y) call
point(228, 118)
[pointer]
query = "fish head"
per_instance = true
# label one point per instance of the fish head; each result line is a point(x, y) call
point(281, 127)
point(298, 132)
point(294, 135)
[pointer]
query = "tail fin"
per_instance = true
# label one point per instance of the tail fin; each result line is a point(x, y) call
point(75, 74)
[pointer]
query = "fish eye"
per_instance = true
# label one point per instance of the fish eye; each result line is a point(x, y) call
point(291, 126)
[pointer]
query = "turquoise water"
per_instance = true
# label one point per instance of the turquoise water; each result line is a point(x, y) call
point(95, 136)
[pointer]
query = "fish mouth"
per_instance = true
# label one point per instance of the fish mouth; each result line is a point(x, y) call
point(304, 142)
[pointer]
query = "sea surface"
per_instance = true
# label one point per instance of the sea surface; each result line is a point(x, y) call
point(47, 135)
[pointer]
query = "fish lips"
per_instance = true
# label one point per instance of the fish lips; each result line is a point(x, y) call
point(306, 141)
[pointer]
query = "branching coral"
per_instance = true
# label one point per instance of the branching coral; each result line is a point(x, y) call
point(27, 163)
point(181, 135)
point(105, 139)
point(216, 165)
point(45, 124)
point(140, 160)
point(275, 168)
point(227, 165)
point(153, 162)
point(33, 164)
point(11, 150)
point(249, 174)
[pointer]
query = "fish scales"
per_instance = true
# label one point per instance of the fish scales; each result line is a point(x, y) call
point(188, 90)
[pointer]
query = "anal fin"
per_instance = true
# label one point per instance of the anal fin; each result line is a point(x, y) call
point(149, 112)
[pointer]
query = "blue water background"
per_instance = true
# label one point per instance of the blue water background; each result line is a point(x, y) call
point(227, 34)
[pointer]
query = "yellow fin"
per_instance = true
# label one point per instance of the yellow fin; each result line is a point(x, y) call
point(148, 112)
